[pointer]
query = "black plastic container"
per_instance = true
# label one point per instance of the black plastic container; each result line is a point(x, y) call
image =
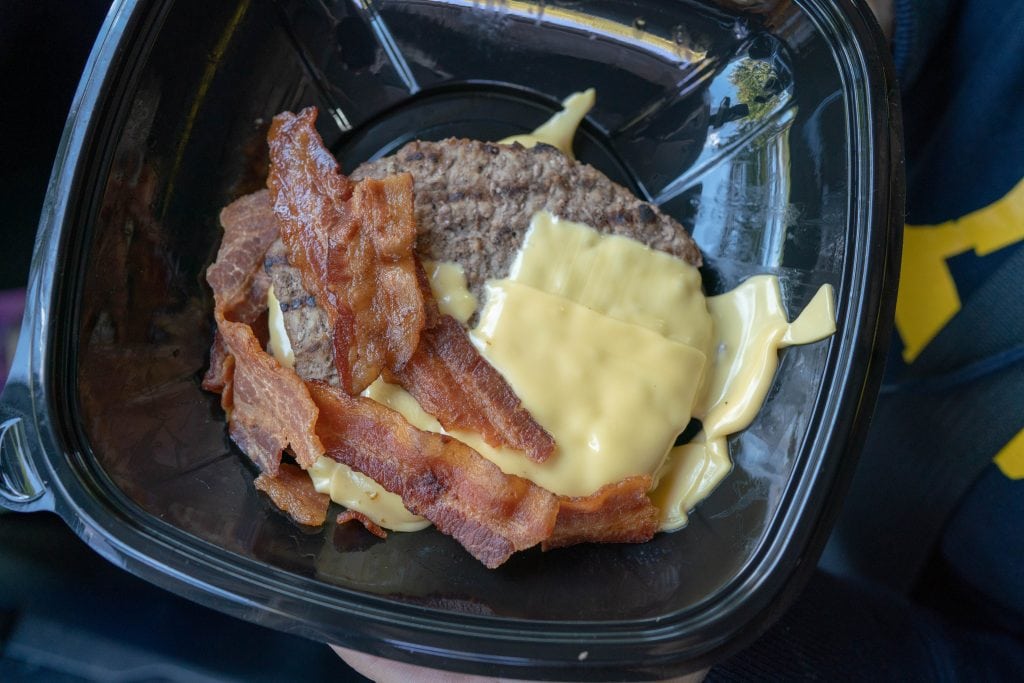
point(771, 128)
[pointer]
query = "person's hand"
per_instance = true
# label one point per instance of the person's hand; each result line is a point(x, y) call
point(883, 13)
point(386, 671)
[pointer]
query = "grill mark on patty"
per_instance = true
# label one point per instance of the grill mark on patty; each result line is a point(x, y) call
point(473, 203)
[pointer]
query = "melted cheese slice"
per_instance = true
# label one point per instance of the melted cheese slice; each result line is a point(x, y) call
point(615, 276)
point(614, 395)
point(612, 347)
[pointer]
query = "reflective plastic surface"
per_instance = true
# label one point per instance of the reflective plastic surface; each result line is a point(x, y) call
point(767, 131)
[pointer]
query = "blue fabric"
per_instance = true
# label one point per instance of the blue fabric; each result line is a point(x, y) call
point(962, 114)
point(917, 25)
point(930, 542)
point(937, 425)
point(844, 630)
point(941, 419)
point(984, 545)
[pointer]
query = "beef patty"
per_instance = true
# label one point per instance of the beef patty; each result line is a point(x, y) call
point(473, 203)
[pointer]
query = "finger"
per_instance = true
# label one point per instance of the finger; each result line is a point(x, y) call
point(883, 11)
point(382, 670)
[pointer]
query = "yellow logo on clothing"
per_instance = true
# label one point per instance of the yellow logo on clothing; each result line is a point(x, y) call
point(1010, 458)
point(928, 297)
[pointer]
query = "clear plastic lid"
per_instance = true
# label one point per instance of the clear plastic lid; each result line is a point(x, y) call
point(769, 129)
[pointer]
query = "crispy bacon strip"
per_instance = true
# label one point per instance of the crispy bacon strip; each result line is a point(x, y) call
point(617, 513)
point(218, 375)
point(356, 516)
point(455, 384)
point(308, 196)
point(292, 491)
point(490, 513)
point(375, 273)
point(237, 277)
point(268, 405)
point(353, 245)
point(239, 283)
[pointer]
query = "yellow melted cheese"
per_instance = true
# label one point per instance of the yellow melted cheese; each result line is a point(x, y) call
point(750, 327)
point(448, 283)
point(690, 473)
point(612, 347)
point(279, 345)
point(358, 492)
point(615, 276)
point(560, 129)
point(614, 395)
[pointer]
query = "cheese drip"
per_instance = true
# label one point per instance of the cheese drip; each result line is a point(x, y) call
point(448, 283)
point(279, 345)
point(750, 327)
point(560, 129)
point(357, 491)
point(612, 347)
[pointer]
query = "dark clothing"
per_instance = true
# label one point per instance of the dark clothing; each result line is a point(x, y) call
point(923, 578)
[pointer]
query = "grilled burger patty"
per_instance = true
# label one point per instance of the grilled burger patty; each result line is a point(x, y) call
point(473, 203)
